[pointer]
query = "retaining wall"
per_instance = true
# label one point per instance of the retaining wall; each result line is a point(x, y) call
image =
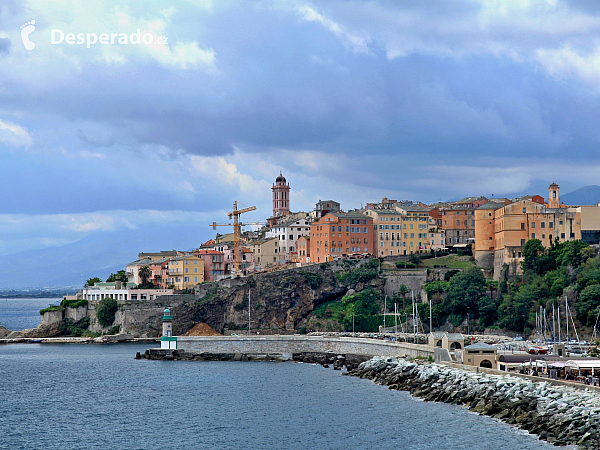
point(295, 344)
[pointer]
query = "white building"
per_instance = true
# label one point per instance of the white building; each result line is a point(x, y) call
point(121, 293)
point(287, 232)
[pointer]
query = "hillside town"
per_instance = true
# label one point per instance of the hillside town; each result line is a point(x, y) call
point(494, 231)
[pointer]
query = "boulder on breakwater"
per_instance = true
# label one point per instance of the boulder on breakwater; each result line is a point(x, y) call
point(558, 414)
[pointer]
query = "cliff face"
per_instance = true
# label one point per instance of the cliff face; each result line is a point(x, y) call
point(278, 300)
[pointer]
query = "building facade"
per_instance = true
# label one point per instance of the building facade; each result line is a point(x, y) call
point(265, 252)
point(303, 249)
point(214, 264)
point(415, 229)
point(338, 235)
point(387, 227)
point(287, 231)
point(502, 231)
point(185, 271)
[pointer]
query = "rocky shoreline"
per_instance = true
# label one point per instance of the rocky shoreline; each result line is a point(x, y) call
point(337, 361)
point(557, 414)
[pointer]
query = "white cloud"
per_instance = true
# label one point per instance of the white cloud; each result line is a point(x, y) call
point(184, 56)
point(218, 169)
point(356, 43)
point(14, 135)
point(568, 62)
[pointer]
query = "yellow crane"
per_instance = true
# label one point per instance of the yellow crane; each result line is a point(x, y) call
point(237, 226)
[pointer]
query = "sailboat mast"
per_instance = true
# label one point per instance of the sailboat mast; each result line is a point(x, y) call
point(558, 320)
point(384, 310)
point(567, 316)
point(248, 312)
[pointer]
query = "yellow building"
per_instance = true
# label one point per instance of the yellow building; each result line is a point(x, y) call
point(415, 229)
point(185, 271)
point(387, 226)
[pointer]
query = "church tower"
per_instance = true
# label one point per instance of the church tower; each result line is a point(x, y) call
point(553, 198)
point(281, 196)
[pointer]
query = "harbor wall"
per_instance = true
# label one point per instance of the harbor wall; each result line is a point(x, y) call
point(295, 344)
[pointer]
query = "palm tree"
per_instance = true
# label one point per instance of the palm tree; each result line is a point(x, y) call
point(144, 273)
point(403, 290)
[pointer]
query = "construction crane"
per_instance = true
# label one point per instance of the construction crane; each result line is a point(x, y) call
point(237, 226)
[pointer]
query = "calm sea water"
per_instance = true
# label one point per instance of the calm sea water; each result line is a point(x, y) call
point(66, 396)
point(20, 313)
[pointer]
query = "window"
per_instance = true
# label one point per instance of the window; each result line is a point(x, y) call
point(562, 235)
point(532, 224)
point(543, 224)
point(524, 209)
point(522, 243)
point(532, 235)
point(522, 225)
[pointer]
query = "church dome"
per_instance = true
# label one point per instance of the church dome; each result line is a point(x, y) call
point(280, 178)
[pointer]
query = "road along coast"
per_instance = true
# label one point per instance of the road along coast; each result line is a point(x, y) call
point(558, 414)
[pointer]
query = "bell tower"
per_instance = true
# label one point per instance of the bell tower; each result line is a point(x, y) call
point(553, 198)
point(281, 196)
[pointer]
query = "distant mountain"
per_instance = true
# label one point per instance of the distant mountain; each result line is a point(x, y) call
point(587, 195)
point(96, 255)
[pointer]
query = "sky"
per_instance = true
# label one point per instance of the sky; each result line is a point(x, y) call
point(350, 100)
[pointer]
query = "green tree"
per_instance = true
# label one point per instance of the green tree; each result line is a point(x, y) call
point(450, 273)
point(106, 310)
point(464, 291)
point(571, 253)
point(487, 309)
point(144, 273)
point(403, 291)
point(589, 273)
point(531, 253)
point(587, 307)
point(93, 281)
point(113, 276)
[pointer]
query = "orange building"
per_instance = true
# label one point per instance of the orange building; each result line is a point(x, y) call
point(337, 235)
point(501, 231)
point(303, 245)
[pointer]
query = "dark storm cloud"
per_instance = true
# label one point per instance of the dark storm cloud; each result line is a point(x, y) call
point(390, 85)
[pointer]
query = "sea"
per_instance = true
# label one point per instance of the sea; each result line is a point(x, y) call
point(78, 396)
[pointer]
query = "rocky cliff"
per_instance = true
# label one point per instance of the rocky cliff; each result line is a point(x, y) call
point(279, 301)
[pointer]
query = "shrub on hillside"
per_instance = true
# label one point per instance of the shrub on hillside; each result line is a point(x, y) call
point(105, 311)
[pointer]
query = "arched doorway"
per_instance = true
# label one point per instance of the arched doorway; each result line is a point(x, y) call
point(486, 363)
point(438, 343)
point(455, 346)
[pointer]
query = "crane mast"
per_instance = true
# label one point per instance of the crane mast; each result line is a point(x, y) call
point(237, 225)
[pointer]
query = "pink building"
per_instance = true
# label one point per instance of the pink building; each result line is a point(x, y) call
point(214, 264)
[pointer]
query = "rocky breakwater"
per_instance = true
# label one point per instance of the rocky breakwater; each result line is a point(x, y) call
point(559, 414)
point(338, 361)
